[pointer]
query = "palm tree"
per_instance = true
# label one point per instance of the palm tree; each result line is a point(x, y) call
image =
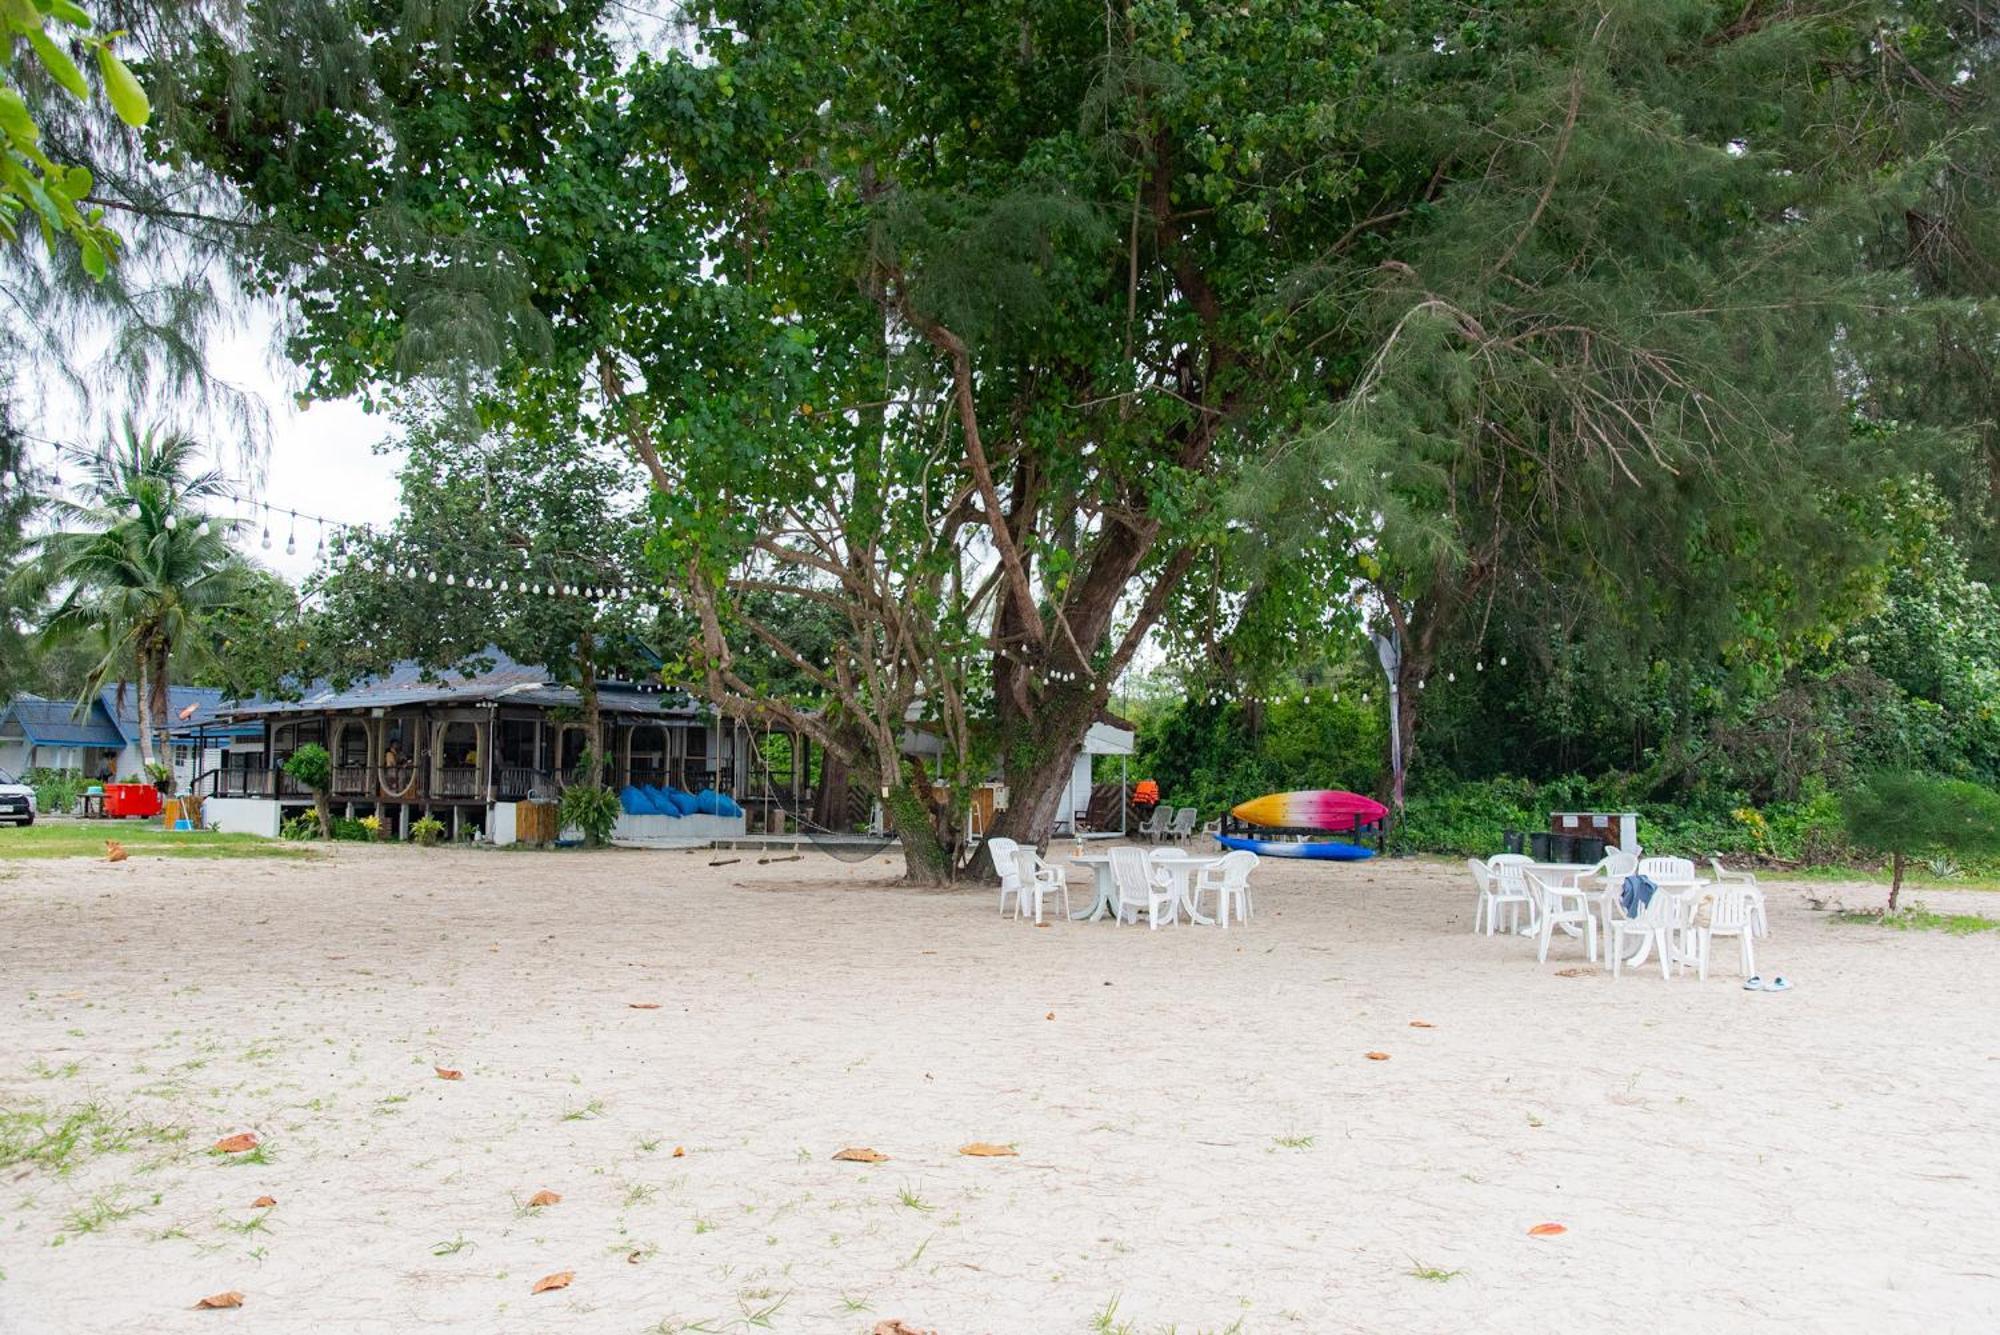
point(137, 567)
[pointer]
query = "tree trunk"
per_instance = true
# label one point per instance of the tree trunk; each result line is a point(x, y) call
point(145, 713)
point(1038, 755)
point(1895, 879)
point(163, 709)
point(926, 859)
point(593, 716)
point(324, 809)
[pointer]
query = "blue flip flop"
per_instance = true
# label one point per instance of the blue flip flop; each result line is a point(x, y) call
point(1754, 983)
point(1779, 984)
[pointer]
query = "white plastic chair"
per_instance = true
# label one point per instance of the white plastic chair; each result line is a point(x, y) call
point(1040, 881)
point(1668, 871)
point(1183, 824)
point(1748, 880)
point(1510, 878)
point(1653, 923)
point(1486, 912)
point(1563, 906)
point(1731, 912)
point(1155, 825)
point(1142, 889)
point(1007, 866)
point(1610, 874)
point(1229, 879)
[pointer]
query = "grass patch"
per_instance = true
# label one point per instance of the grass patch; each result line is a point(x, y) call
point(1293, 1142)
point(1432, 1274)
point(63, 1138)
point(1917, 917)
point(85, 839)
point(909, 1197)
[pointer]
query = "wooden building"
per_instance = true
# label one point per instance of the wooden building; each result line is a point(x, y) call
point(466, 748)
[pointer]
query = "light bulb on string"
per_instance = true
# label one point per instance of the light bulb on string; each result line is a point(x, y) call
point(173, 522)
point(319, 551)
point(451, 581)
point(132, 512)
point(292, 536)
point(432, 577)
point(1451, 676)
point(201, 529)
point(1479, 667)
point(267, 528)
point(1503, 660)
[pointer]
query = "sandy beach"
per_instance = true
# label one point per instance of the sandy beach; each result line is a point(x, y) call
point(678, 1050)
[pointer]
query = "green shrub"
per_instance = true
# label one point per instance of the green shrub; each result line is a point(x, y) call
point(56, 790)
point(305, 825)
point(426, 830)
point(1901, 814)
point(590, 811)
point(352, 829)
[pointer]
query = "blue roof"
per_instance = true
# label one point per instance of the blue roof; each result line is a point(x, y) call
point(53, 723)
point(113, 723)
point(193, 709)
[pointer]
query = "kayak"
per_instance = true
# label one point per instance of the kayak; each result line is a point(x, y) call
point(1329, 809)
point(1283, 848)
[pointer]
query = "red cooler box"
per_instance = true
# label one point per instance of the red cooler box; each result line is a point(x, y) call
point(131, 799)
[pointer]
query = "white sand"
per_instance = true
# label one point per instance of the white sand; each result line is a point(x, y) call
point(1822, 1160)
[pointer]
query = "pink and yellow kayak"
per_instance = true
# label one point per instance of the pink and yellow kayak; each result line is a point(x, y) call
point(1327, 809)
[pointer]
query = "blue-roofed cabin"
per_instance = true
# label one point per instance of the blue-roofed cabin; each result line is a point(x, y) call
point(37, 733)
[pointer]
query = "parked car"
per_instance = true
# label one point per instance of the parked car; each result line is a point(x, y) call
point(17, 800)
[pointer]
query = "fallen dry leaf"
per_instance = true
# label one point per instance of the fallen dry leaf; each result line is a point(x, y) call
point(236, 1144)
point(1376, 1056)
point(861, 1154)
point(114, 851)
point(217, 1300)
point(1574, 973)
point(545, 1197)
point(980, 1149)
point(894, 1326)
point(1546, 1230)
point(680, 1152)
point(1422, 1024)
point(559, 1280)
point(633, 1258)
point(263, 1202)
point(1050, 1016)
point(643, 1005)
point(445, 1073)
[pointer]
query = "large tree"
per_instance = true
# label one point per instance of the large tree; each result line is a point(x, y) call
point(968, 322)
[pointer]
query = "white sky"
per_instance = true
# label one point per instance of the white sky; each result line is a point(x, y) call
point(322, 461)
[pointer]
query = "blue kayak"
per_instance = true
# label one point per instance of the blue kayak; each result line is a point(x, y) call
point(1281, 848)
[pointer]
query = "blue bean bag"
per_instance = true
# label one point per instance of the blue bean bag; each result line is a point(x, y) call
point(634, 801)
point(725, 805)
point(681, 800)
point(704, 801)
point(656, 801)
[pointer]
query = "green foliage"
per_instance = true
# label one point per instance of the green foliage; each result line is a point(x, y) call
point(56, 790)
point(353, 830)
point(1903, 813)
point(426, 830)
point(311, 766)
point(135, 565)
point(1212, 757)
point(305, 825)
point(32, 183)
point(1470, 819)
point(590, 810)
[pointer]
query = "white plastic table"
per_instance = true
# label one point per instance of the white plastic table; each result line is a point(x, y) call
point(1181, 865)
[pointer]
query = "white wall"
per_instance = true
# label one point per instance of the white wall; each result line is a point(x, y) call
point(241, 815)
